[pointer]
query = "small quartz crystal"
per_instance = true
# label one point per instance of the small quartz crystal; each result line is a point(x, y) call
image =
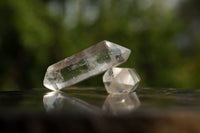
point(89, 62)
point(121, 80)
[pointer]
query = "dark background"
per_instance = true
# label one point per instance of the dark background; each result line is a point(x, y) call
point(162, 34)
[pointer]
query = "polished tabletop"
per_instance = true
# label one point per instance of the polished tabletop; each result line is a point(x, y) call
point(147, 107)
point(77, 99)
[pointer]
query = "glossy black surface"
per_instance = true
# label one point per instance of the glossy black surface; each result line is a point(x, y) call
point(96, 101)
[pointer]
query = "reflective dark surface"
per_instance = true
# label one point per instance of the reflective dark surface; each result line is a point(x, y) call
point(96, 101)
point(113, 104)
point(156, 110)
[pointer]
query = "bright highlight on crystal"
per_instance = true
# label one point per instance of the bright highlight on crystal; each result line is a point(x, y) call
point(89, 62)
point(121, 80)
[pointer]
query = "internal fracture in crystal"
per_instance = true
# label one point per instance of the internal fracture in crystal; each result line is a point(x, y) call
point(121, 80)
point(89, 62)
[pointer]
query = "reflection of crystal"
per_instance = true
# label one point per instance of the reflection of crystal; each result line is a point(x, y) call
point(121, 103)
point(114, 104)
point(53, 101)
point(61, 102)
point(85, 64)
point(121, 80)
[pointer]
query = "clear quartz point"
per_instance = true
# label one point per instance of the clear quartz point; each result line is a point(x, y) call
point(89, 62)
point(120, 80)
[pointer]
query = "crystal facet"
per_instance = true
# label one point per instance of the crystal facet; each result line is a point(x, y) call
point(121, 80)
point(89, 62)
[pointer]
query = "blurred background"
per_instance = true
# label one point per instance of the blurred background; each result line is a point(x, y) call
point(164, 36)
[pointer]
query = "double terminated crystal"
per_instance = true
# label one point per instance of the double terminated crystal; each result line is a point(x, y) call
point(89, 62)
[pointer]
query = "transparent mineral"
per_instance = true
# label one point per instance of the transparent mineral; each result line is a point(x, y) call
point(89, 62)
point(121, 80)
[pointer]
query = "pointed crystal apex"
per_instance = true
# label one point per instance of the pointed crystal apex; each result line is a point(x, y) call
point(119, 52)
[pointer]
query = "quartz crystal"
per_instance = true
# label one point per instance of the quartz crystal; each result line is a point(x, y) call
point(121, 80)
point(89, 62)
